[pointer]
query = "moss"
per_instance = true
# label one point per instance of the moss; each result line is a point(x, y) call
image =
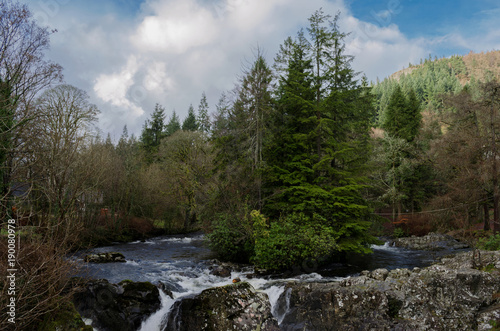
point(394, 306)
point(66, 318)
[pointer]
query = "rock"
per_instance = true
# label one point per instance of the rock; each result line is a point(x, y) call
point(105, 257)
point(450, 295)
point(431, 242)
point(120, 306)
point(221, 272)
point(379, 274)
point(65, 318)
point(232, 307)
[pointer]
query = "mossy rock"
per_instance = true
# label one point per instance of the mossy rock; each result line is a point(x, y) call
point(66, 318)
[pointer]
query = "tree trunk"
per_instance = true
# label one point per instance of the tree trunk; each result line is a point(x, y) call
point(486, 210)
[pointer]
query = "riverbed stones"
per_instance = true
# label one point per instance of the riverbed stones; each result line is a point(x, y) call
point(430, 242)
point(455, 294)
point(120, 307)
point(109, 257)
point(233, 307)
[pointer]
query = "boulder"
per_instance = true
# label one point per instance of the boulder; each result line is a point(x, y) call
point(120, 307)
point(430, 242)
point(232, 307)
point(458, 293)
point(105, 257)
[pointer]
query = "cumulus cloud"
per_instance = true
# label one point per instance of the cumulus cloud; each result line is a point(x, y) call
point(167, 51)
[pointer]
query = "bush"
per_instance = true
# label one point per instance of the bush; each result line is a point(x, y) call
point(232, 238)
point(490, 244)
point(292, 241)
point(43, 271)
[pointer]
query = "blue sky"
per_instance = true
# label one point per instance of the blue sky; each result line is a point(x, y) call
point(129, 55)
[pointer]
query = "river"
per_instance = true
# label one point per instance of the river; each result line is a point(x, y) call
point(183, 264)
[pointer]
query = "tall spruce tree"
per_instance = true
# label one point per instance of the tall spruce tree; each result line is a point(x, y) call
point(173, 125)
point(153, 132)
point(203, 117)
point(320, 132)
point(190, 123)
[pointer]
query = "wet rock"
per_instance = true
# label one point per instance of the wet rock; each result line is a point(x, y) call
point(430, 242)
point(458, 293)
point(105, 257)
point(232, 307)
point(221, 271)
point(120, 307)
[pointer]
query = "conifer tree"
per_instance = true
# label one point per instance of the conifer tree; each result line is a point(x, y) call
point(173, 125)
point(190, 123)
point(203, 117)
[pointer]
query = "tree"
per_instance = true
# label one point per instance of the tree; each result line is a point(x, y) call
point(23, 74)
point(173, 125)
point(61, 134)
point(190, 123)
point(187, 164)
point(466, 154)
point(319, 143)
point(153, 131)
point(203, 117)
point(403, 117)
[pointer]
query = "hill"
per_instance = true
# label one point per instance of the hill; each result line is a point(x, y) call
point(431, 78)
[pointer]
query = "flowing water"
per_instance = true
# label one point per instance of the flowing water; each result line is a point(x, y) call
point(183, 264)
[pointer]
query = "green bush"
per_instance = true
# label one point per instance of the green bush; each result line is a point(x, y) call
point(232, 239)
point(398, 233)
point(490, 244)
point(292, 241)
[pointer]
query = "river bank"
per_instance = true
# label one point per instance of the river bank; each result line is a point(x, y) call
point(183, 267)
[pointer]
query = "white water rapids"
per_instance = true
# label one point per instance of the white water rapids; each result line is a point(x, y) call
point(183, 265)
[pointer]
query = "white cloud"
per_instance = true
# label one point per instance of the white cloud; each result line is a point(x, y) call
point(170, 51)
point(114, 88)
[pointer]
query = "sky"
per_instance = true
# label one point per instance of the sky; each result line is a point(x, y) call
point(130, 55)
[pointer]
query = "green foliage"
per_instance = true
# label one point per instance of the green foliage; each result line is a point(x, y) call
point(173, 125)
point(491, 243)
point(232, 238)
point(399, 233)
point(291, 241)
point(190, 123)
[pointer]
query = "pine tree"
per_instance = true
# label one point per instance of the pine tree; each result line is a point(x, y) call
point(173, 125)
point(320, 130)
point(203, 117)
point(403, 117)
point(190, 123)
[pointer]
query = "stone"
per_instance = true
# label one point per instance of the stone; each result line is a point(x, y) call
point(109, 257)
point(233, 307)
point(431, 242)
point(120, 306)
point(458, 293)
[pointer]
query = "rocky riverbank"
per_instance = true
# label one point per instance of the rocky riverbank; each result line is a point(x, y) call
point(459, 293)
point(430, 242)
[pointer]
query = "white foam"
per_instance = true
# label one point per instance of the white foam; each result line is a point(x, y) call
point(385, 247)
point(156, 320)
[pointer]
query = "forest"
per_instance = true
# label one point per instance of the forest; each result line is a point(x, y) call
point(305, 160)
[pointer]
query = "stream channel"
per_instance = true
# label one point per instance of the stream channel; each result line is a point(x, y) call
point(183, 264)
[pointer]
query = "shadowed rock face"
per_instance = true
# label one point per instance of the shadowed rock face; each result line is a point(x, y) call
point(120, 307)
point(451, 295)
point(232, 307)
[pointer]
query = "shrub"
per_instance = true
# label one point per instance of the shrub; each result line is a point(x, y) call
point(232, 238)
point(42, 273)
point(292, 241)
point(491, 243)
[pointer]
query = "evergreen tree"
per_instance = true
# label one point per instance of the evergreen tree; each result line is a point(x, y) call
point(173, 125)
point(203, 117)
point(321, 129)
point(153, 131)
point(403, 115)
point(190, 123)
